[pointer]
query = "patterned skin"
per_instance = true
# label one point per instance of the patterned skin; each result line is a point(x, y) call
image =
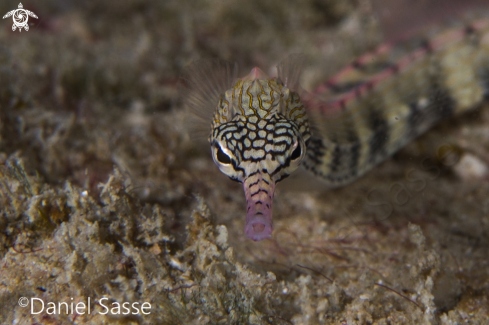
point(260, 132)
point(259, 135)
point(384, 100)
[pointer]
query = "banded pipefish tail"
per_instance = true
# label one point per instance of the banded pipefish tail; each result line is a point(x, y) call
point(388, 97)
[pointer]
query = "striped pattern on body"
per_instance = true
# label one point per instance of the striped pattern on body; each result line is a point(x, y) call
point(385, 99)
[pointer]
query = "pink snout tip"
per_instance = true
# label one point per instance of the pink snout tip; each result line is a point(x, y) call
point(259, 228)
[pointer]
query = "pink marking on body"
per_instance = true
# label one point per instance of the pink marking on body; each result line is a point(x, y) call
point(259, 198)
point(256, 73)
point(384, 48)
point(451, 36)
point(403, 63)
point(481, 23)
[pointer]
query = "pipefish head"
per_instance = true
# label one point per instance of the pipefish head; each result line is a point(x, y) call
point(259, 135)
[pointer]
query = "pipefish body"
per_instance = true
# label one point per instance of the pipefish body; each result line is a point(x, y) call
point(263, 129)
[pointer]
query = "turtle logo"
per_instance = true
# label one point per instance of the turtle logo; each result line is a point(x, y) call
point(20, 16)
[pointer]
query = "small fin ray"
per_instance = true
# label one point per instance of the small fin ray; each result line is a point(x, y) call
point(289, 71)
point(205, 81)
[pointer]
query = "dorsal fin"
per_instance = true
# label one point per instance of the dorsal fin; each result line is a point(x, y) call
point(289, 71)
point(205, 81)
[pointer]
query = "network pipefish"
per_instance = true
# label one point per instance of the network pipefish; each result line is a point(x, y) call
point(262, 129)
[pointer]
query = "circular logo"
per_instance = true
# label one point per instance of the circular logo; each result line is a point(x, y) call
point(20, 17)
point(23, 302)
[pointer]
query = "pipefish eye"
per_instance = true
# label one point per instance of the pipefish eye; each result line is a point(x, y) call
point(222, 157)
point(297, 153)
